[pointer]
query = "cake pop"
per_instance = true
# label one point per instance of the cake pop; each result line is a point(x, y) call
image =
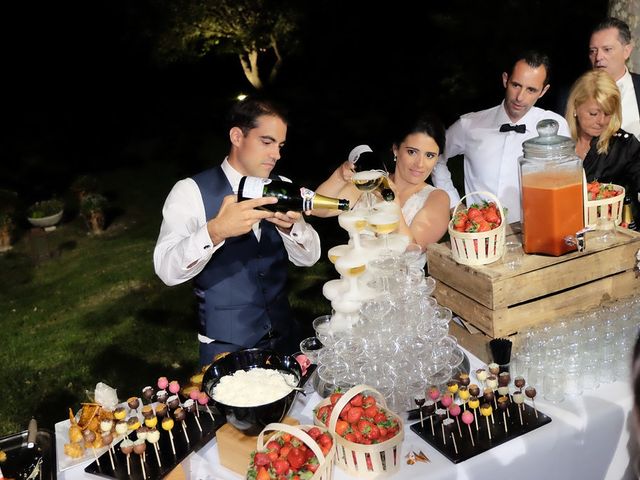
point(433, 393)
point(486, 410)
point(133, 423)
point(140, 447)
point(474, 403)
point(167, 424)
point(179, 414)
point(147, 411)
point(133, 402)
point(463, 379)
point(126, 446)
point(162, 396)
point(119, 413)
point(174, 386)
point(153, 437)
point(106, 425)
point(531, 393)
point(173, 402)
point(474, 390)
point(481, 375)
point(503, 403)
point(454, 411)
point(504, 391)
point(107, 439)
point(430, 409)
point(463, 393)
point(489, 397)
point(518, 399)
point(446, 400)
point(193, 395)
point(147, 393)
point(163, 383)
point(121, 427)
point(452, 388)
point(504, 378)
point(467, 419)
point(151, 422)
point(161, 410)
point(203, 399)
point(190, 406)
point(494, 368)
point(519, 382)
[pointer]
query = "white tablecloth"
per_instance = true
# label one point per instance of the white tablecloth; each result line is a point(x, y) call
point(588, 438)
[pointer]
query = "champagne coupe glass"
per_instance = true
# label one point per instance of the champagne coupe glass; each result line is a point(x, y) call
point(383, 223)
point(367, 181)
point(351, 266)
point(354, 221)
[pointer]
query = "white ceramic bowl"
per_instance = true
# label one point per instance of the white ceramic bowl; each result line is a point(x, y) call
point(49, 221)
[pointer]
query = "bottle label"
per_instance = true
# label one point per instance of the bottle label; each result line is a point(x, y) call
point(254, 187)
point(307, 198)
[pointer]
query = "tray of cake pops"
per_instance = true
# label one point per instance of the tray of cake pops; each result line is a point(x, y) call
point(154, 433)
point(465, 419)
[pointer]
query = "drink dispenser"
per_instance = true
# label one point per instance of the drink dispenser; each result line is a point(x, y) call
point(551, 179)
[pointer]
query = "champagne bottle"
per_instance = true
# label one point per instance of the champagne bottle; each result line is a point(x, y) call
point(627, 214)
point(290, 196)
point(365, 160)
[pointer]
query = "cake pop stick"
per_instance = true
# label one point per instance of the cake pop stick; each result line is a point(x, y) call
point(203, 399)
point(518, 399)
point(193, 395)
point(474, 403)
point(153, 437)
point(140, 447)
point(167, 424)
point(89, 440)
point(441, 415)
point(190, 406)
point(179, 414)
point(446, 401)
point(467, 419)
point(420, 402)
point(531, 393)
point(430, 409)
point(486, 410)
point(454, 411)
point(127, 447)
point(503, 403)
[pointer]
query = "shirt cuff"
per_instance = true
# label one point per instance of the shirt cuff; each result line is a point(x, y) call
point(300, 233)
point(201, 248)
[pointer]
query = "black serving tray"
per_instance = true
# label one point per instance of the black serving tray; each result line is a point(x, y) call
point(481, 438)
point(169, 460)
point(20, 458)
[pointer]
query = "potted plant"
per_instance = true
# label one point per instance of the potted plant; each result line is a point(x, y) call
point(84, 185)
point(92, 208)
point(6, 229)
point(46, 213)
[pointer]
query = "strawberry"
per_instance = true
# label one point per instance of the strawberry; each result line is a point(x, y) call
point(355, 414)
point(281, 466)
point(296, 458)
point(345, 411)
point(342, 427)
point(273, 446)
point(263, 474)
point(314, 432)
point(459, 220)
point(367, 401)
point(371, 411)
point(356, 401)
point(261, 459)
point(335, 397)
point(474, 213)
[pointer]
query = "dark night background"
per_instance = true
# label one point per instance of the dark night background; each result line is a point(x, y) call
point(82, 93)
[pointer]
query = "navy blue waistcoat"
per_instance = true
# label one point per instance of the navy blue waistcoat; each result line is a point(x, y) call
point(242, 289)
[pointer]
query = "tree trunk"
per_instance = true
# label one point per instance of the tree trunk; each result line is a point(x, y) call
point(276, 67)
point(249, 62)
point(629, 12)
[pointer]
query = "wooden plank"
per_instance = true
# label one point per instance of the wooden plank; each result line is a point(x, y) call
point(480, 316)
point(476, 343)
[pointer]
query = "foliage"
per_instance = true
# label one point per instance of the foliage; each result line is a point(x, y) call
point(6, 220)
point(93, 202)
point(45, 208)
point(85, 184)
point(251, 29)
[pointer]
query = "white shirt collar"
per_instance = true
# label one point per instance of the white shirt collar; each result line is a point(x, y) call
point(625, 81)
point(232, 174)
point(502, 117)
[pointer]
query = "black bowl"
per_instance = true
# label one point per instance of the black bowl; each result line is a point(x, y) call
point(251, 420)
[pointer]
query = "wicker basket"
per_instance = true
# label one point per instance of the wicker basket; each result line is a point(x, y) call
point(352, 457)
point(605, 208)
point(325, 470)
point(478, 248)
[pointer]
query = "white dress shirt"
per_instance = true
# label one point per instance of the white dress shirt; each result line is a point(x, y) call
point(490, 156)
point(184, 246)
point(630, 114)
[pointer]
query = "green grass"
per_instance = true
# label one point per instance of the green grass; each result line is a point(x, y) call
point(96, 312)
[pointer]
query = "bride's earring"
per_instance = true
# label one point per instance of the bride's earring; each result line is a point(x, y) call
point(395, 158)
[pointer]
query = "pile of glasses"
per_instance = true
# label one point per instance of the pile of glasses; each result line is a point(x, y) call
point(578, 353)
point(400, 343)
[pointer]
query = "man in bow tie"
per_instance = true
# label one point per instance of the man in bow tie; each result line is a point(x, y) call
point(491, 140)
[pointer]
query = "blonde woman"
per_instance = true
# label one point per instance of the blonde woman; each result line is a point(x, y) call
point(609, 153)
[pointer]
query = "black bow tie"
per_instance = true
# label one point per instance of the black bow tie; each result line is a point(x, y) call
point(505, 127)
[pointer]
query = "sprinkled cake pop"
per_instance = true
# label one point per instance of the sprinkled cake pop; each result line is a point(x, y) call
point(486, 410)
point(163, 383)
point(531, 393)
point(467, 419)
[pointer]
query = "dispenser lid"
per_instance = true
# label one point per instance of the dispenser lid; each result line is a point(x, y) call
point(548, 145)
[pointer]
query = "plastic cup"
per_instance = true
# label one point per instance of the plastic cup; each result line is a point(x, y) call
point(512, 256)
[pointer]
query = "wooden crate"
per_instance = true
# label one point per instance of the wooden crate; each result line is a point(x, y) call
point(500, 302)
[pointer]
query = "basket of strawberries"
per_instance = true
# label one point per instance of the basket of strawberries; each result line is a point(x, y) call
point(304, 452)
point(367, 434)
point(603, 200)
point(477, 233)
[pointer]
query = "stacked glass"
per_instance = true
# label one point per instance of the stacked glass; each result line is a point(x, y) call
point(580, 352)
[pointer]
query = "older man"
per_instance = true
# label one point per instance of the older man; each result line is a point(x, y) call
point(491, 140)
point(609, 48)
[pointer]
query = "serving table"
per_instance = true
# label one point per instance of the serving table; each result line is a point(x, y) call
point(589, 438)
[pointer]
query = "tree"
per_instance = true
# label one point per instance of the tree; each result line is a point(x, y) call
point(629, 12)
point(259, 32)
